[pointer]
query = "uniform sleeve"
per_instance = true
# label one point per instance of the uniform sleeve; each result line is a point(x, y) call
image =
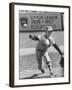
point(56, 46)
point(52, 40)
point(39, 37)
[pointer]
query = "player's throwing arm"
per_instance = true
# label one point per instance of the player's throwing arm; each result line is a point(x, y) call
point(60, 52)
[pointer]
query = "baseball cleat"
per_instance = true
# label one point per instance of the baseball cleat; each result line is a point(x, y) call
point(51, 75)
point(42, 71)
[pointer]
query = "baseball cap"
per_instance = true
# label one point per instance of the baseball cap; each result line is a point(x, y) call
point(49, 28)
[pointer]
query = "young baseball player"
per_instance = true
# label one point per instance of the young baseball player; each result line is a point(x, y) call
point(44, 43)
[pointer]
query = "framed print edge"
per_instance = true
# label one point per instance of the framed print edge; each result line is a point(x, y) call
point(12, 47)
point(69, 44)
point(45, 5)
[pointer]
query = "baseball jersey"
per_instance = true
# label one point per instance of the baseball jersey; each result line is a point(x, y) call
point(44, 43)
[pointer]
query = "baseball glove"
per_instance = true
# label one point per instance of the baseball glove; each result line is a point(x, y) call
point(62, 61)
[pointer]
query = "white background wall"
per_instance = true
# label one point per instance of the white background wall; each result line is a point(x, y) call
point(4, 44)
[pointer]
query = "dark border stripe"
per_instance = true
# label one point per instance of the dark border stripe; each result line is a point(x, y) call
point(45, 5)
point(11, 45)
point(69, 45)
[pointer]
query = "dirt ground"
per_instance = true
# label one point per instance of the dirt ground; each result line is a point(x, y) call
point(28, 67)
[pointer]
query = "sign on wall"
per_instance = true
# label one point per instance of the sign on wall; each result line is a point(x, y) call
point(38, 20)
